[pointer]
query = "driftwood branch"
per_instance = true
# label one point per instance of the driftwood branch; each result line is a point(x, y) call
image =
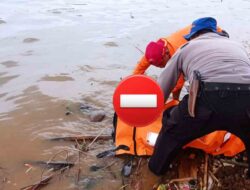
point(56, 165)
point(234, 163)
point(95, 138)
point(40, 184)
point(81, 138)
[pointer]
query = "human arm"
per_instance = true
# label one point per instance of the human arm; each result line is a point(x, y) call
point(170, 75)
point(141, 67)
point(177, 89)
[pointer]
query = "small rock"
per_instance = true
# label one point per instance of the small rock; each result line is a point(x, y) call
point(97, 116)
point(67, 112)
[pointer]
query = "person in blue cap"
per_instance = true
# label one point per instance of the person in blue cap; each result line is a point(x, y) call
point(206, 24)
point(218, 71)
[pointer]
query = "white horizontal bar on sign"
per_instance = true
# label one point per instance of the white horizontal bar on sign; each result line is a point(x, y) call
point(138, 100)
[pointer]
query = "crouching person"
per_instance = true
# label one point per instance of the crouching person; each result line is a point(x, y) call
point(218, 70)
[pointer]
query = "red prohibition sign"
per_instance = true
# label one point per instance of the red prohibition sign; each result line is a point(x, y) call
point(138, 100)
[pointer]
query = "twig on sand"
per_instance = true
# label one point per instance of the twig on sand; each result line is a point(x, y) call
point(55, 165)
point(123, 187)
point(78, 174)
point(52, 158)
point(138, 166)
point(108, 168)
point(81, 138)
point(45, 180)
point(206, 172)
point(39, 184)
point(111, 164)
point(90, 144)
point(214, 178)
point(242, 164)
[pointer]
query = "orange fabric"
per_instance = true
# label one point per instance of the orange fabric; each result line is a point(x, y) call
point(231, 147)
point(212, 143)
point(124, 135)
point(141, 67)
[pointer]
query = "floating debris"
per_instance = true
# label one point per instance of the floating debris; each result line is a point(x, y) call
point(95, 168)
point(40, 184)
point(127, 168)
point(81, 138)
point(111, 44)
point(30, 40)
point(2, 21)
point(55, 165)
point(85, 108)
point(9, 63)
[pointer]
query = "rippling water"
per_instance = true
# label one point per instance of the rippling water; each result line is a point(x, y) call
point(56, 54)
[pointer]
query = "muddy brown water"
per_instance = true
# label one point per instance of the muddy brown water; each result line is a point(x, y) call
point(61, 54)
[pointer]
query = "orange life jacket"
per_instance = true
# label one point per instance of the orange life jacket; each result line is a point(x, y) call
point(136, 138)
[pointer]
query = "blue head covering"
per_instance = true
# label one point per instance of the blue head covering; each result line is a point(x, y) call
point(200, 24)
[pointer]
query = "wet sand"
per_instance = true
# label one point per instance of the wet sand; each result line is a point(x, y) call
point(58, 55)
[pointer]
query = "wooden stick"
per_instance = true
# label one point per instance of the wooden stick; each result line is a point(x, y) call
point(138, 166)
point(206, 172)
point(39, 184)
point(81, 138)
point(78, 175)
point(109, 165)
point(56, 165)
point(214, 178)
point(123, 187)
point(90, 144)
point(235, 163)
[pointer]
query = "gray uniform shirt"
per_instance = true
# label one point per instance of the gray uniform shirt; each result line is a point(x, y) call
point(217, 58)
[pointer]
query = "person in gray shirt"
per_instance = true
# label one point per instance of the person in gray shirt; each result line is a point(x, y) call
point(218, 70)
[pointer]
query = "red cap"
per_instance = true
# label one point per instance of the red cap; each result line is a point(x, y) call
point(155, 52)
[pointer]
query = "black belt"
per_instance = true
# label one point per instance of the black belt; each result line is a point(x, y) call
point(215, 86)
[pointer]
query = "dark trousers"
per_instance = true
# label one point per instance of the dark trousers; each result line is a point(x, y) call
point(215, 110)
